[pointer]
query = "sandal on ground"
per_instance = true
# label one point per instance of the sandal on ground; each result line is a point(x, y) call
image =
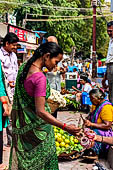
point(90, 154)
point(3, 167)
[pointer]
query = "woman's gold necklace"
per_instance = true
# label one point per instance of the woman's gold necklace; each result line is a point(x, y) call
point(36, 66)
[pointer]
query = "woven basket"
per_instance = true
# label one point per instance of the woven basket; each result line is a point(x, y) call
point(71, 156)
point(53, 105)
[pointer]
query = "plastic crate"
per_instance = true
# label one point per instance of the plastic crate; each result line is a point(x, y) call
point(86, 99)
point(70, 83)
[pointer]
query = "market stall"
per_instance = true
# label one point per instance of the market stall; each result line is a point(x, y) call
point(70, 80)
point(27, 42)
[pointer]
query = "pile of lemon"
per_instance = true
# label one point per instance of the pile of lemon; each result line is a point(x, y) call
point(66, 143)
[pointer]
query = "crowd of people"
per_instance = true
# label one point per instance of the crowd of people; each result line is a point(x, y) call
point(24, 110)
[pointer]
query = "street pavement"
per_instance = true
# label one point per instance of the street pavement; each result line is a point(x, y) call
point(6, 150)
point(68, 117)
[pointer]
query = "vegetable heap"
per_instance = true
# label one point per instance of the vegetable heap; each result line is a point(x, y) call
point(57, 97)
point(72, 102)
point(65, 143)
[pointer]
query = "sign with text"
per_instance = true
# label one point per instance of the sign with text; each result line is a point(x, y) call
point(23, 35)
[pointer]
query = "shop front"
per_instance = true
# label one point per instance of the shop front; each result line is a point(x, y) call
point(25, 51)
point(27, 42)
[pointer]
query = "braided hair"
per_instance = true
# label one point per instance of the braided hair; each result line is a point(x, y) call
point(48, 47)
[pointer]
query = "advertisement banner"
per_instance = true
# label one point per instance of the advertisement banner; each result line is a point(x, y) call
point(22, 34)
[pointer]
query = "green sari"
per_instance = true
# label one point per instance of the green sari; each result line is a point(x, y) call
point(33, 143)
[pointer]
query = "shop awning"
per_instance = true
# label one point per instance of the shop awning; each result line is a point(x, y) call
point(28, 46)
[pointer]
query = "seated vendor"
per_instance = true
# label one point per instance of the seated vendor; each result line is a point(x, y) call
point(86, 87)
point(100, 120)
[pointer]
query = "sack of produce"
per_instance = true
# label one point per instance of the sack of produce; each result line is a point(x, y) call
point(56, 100)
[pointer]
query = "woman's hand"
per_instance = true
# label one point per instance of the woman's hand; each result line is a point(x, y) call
point(74, 88)
point(87, 123)
point(6, 110)
point(72, 129)
point(96, 138)
point(74, 92)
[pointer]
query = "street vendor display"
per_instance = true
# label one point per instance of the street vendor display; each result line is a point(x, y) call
point(66, 144)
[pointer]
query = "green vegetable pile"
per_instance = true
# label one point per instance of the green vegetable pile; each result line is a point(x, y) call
point(72, 102)
point(66, 143)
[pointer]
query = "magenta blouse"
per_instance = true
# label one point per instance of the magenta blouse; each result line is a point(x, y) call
point(35, 84)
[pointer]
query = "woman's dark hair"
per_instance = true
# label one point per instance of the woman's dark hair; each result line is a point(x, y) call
point(98, 93)
point(109, 24)
point(84, 77)
point(74, 69)
point(10, 38)
point(48, 47)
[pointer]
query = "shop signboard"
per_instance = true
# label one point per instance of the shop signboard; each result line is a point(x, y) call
point(31, 38)
point(23, 35)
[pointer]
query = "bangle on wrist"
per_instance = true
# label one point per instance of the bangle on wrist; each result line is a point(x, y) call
point(64, 126)
point(5, 102)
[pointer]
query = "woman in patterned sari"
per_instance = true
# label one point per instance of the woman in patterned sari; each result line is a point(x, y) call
point(33, 145)
point(100, 120)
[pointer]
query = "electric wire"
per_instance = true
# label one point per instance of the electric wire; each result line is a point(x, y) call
point(64, 19)
point(45, 6)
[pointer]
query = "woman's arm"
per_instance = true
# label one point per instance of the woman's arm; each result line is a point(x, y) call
point(105, 117)
point(40, 111)
point(5, 104)
point(103, 139)
point(105, 125)
point(3, 97)
point(74, 88)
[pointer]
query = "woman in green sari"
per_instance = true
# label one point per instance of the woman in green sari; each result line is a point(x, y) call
point(33, 143)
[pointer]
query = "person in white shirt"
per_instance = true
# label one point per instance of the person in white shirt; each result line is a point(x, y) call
point(9, 60)
point(87, 87)
point(10, 69)
point(109, 60)
point(54, 78)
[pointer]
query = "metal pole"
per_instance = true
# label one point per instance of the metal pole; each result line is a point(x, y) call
point(72, 55)
point(94, 60)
